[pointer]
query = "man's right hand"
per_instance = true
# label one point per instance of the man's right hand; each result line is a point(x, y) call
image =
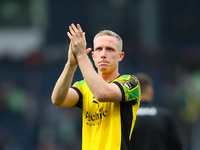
point(71, 57)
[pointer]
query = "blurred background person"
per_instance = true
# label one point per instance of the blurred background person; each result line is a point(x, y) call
point(155, 127)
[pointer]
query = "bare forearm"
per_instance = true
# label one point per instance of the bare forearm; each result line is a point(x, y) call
point(62, 86)
point(96, 83)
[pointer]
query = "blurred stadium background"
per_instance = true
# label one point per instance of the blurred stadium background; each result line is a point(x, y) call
point(161, 38)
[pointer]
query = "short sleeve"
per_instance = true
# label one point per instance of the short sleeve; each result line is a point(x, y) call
point(130, 88)
point(77, 87)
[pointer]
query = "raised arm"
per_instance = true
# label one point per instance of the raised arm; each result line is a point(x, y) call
point(63, 95)
point(102, 90)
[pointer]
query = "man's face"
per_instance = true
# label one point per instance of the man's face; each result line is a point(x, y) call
point(106, 54)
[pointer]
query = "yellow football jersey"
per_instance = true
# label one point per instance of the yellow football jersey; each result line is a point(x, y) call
point(108, 125)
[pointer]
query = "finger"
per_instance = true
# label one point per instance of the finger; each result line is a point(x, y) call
point(79, 28)
point(74, 28)
point(69, 35)
point(71, 30)
point(88, 50)
point(83, 35)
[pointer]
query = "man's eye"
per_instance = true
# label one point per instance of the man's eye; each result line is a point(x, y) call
point(98, 49)
point(110, 49)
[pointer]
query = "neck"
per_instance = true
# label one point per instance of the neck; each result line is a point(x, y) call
point(108, 77)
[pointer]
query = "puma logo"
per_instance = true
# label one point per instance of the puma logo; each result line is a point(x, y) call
point(96, 102)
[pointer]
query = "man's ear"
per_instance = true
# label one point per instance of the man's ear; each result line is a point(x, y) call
point(92, 54)
point(121, 56)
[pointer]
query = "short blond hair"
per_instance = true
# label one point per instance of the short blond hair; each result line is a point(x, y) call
point(110, 33)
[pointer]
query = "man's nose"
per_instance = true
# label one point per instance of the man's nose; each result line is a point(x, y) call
point(103, 53)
